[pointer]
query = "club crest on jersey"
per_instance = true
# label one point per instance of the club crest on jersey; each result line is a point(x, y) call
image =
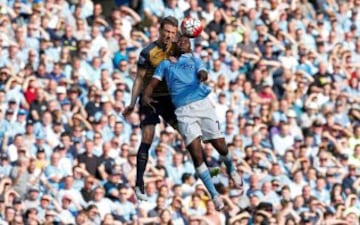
point(188, 65)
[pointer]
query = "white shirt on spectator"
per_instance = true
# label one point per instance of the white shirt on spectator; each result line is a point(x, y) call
point(105, 206)
point(295, 130)
point(96, 44)
point(289, 62)
point(66, 217)
point(183, 5)
point(307, 120)
point(187, 190)
point(31, 204)
point(65, 165)
point(127, 26)
point(86, 9)
point(53, 20)
point(12, 151)
point(52, 138)
point(355, 57)
point(76, 196)
point(296, 188)
point(282, 143)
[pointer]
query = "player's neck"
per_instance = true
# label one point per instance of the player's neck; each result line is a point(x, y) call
point(162, 44)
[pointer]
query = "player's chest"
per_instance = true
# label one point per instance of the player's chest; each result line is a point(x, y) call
point(183, 66)
point(182, 73)
point(157, 57)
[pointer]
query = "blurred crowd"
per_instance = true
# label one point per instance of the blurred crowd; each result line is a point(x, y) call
point(286, 84)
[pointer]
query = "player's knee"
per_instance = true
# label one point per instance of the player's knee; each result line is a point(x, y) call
point(143, 152)
point(197, 157)
point(173, 123)
point(197, 161)
point(146, 139)
point(143, 155)
point(148, 135)
point(220, 147)
point(223, 151)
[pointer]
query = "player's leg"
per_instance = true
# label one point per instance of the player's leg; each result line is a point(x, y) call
point(225, 156)
point(167, 112)
point(214, 171)
point(191, 132)
point(142, 159)
point(149, 120)
point(195, 149)
point(211, 132)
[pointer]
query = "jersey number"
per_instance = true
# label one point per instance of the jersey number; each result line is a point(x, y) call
point(218, 123)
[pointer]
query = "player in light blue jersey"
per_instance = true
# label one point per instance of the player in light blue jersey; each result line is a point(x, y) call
point(182, 79)
point(194, 110)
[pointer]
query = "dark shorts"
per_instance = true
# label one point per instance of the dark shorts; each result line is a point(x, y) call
point(163, 108)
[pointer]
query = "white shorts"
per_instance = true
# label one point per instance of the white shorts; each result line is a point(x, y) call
point(198, 119)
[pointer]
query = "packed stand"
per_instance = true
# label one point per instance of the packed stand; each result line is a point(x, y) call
point(286, 82)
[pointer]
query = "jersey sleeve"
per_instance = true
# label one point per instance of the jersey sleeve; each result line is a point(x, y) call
point(160, 70)
point(143, 61)
point(199, 64)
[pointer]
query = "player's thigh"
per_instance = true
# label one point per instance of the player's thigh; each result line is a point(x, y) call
point(147, 115)
point(209, 122)
point(188, 125)
point(167, 110)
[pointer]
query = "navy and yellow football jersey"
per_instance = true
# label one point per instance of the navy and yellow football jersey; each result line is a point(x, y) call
point(150, 57)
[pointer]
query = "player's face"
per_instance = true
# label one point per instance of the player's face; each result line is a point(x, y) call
point(183, 44)
point(168, 34)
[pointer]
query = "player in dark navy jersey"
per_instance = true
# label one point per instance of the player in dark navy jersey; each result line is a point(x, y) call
point(149, 59)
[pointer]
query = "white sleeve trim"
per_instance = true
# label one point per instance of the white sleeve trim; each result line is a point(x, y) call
point(157, 77)
point(202, 68)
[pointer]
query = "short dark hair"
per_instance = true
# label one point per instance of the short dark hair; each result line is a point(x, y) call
point(183, 35)
point(185, 177)
point(169, 20)
point(65, 134)
point(90, 207)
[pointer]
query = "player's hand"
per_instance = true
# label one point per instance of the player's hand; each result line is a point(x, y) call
point(172, 59)
point(128, 110)
point(148, 102)
point(202, 76)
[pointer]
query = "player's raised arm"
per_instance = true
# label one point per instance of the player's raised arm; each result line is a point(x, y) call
point(136, 89)
point(155, 80)
point(201, 70)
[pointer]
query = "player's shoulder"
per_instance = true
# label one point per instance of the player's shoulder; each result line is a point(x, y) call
point(197, 59)
point(165, 62)
point(192, 56)
point(147, 49)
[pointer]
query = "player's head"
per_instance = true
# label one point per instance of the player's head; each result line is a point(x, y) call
point(183, 44)
point(168, 30)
